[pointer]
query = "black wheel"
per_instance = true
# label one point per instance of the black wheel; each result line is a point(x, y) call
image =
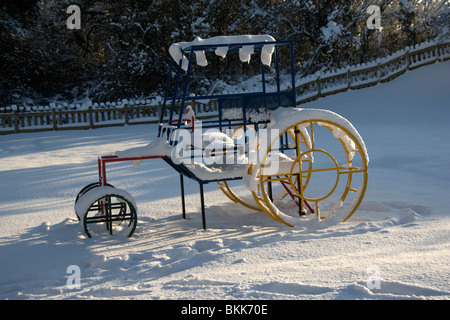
point(86, 189)
point(107, 209)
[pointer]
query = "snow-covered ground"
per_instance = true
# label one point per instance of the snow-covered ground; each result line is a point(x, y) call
point(396, 246)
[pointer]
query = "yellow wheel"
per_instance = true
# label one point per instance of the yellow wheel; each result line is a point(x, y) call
point(326, 177)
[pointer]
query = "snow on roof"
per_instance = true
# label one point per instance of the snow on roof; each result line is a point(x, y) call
point(245, 52)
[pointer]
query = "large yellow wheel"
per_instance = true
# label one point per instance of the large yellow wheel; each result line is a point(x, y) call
point(326, 177)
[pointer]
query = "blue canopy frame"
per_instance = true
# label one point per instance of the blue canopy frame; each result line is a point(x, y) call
point(174, 104)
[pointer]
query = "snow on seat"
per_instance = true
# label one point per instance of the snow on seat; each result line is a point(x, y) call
point(209, 155)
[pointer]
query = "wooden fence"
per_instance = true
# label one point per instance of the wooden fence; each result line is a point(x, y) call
point(370, 74)
point(310, 88)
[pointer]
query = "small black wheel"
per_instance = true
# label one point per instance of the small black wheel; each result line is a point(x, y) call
point(86, 189)
point(106, 208)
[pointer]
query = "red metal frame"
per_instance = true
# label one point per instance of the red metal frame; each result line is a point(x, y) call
point(286, 184)
point(103, 160)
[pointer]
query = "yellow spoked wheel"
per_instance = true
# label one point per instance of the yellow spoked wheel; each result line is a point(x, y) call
point(324, 177)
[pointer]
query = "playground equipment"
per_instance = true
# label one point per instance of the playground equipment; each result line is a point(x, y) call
point(292, 163)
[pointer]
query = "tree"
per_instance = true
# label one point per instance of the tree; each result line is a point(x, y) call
point(121, 50)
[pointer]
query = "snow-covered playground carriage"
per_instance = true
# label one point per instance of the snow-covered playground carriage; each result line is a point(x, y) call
point(292, 163)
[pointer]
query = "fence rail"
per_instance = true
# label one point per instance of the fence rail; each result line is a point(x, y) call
point(310, 88)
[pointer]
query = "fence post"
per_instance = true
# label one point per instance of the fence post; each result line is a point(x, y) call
point(159, 110)
point(349, 80)
point(379, 71)
point(318, 84)
point(125, 109)
point(407, 59)
point(91, 118)
point(54, 119)
point(16, 121)
point(436, 58)
point(439, 56)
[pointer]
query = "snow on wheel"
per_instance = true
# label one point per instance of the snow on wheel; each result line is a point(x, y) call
point(86, 189)
point(107, 209)
point(326, 176)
